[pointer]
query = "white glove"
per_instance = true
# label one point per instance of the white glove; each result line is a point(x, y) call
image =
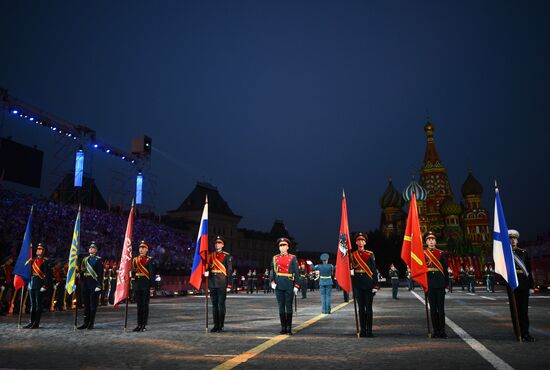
point(352, 272)
point(531, 291)
point(206, 273)
point(56, 285)
point(446, 290)
point(97, 289)
point(295, 291)
point(374, 290)
point(309, 262)
point(42, 289)
point(227, 289)
point(273, 285)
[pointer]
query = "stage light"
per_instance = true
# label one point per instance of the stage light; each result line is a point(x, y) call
point(108, 151)
point(139, 187)
point(123, 157)
point(69, 134)
point(133, 161)
point(54, 128)
point(31, 119)
point(95, 146)
point(79, 168)
point(15, 111)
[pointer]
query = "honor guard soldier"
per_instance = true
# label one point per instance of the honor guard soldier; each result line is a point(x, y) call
point(326, 270)
point(41, 276)
point(58, 293)
point(525, 286)
point(471, 280)
point(302, 269)
point(219, 270)
point(284, 277)
point(91, 270)
point(450, 273)
point(463, 278)
point(394, 277)
point(438, 280)
point(365, 282)
point(143, 271)
point(113, 273)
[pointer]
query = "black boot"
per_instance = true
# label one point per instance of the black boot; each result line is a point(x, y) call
point(91, 323)
point(369, 327)
point(221, 320)
point(36, 323)
point(85, 325)
point(31, 323)
point(289, 323)
point(283, 323)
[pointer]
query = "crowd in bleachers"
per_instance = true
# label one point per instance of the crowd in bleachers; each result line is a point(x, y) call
point(53, 225)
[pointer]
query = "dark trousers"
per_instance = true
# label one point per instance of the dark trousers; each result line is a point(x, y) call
point(142, 300)
point(284, 299)
point(522, 303)
point(90, 299)
point(36, 299)
point(364, 302)
point(218, 296)
point(436, 297)
point(394, 287)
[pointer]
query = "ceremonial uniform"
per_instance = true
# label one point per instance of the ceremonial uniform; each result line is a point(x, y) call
point(41, 277)
point(450, 274)
point(284, 279)
point(463, 278)
point(303, 279)
point(365, 284)
point(394, 277)
point(220, 268)
point(58, 294)
point(471, 280)
point(326, 270)
point(112, 281)
point(525, 287)
point(410, 281)
point(143, 271)
point(438, 279)
point(91, 276)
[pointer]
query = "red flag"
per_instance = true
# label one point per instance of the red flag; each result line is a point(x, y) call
point(412, 251)
point(344, 247)
point(125, 266)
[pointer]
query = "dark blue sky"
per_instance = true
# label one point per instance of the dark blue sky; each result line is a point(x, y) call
point(283, 104)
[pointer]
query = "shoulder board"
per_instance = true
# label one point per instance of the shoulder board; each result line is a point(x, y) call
point(371, 252)
point(291, 255)
point(45, 258)
point(225, 253)
point(149, 258)
point(98, 257)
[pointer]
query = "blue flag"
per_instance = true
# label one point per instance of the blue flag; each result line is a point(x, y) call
point(502, 249)
point(22, 268)
point(73, 256)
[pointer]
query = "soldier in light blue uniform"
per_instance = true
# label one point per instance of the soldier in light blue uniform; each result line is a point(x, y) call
point(326, 270)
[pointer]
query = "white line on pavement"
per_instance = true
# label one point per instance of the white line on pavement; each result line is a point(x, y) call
point(483, 351)
point(489, 298)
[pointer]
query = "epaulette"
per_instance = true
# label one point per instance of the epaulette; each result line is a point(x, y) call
point(224, 252)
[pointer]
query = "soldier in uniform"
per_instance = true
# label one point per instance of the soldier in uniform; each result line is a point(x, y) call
point(235, 281)
point(450, 274)
point(302, 269)
point(113, 273)
point(525, 286)
point(491, 279)
point(365, 282)
point(394, 276)
point(219, 268)
point(5, 283)
point(471, 280)
point(41, 277)
point(91, 270)
point(463, 278)
point(266, 281)
point(249, 287)
point(58, 293)
point(143, 271)
point(410, 281)
point(326, 270)
point(438, 278)
point(284, 280)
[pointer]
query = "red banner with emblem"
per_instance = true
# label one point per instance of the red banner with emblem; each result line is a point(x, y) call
point(342, 253)
point(412, 251)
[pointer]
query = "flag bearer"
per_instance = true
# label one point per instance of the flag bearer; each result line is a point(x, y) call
point(219, 270)
point(143, 271)
point(41, 276)
point(365, 282)
point(91, 270)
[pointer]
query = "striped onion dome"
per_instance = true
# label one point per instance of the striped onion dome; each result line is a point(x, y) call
point(391, 197)
point(421, 193)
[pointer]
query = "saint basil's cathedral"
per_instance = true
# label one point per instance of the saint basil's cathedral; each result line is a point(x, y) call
point(462, 229)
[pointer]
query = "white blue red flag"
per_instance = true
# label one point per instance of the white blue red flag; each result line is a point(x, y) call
point(502, 249)
point(201, 250)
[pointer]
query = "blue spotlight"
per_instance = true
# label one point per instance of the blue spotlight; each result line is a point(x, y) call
point(79, 168)
point(108, 151)
point(123, 157)
point(15, 111)
point(31, 119)
point(95, 146)
point(139, 187)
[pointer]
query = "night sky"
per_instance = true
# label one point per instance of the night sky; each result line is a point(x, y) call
point(282, 104)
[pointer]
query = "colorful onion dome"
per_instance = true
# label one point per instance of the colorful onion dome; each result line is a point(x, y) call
point(449, 207)
point(414, 187)
point(471, 186)
point(391, 197)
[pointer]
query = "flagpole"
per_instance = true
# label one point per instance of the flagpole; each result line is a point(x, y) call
point(126, 310)
point(206, 297)
point(515, 318)
point(427, 315)
point(21, 307)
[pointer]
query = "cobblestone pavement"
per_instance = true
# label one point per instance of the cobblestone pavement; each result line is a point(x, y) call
point(177, 337)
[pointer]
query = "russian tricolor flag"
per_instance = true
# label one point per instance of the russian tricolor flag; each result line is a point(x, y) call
point(201, 249)
point(502, 249)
